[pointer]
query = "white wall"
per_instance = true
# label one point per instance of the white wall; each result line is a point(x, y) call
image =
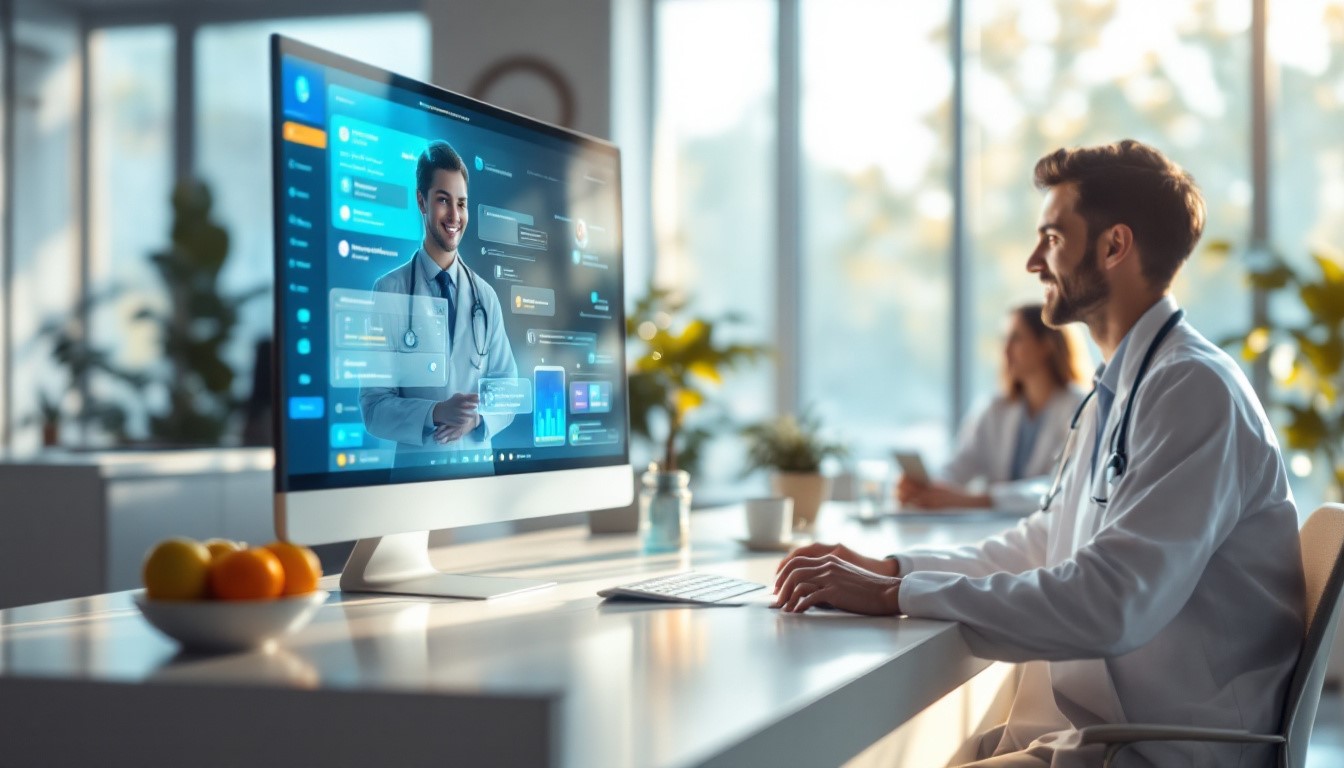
point(469, 36)
point(600, 47)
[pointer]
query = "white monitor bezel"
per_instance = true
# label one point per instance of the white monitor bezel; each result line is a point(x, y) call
point(326, 515)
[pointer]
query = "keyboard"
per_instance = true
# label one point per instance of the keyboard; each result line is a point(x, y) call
point(688, 587)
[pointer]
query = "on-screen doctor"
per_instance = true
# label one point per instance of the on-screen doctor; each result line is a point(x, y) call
point(429, 419)
point(1010, 444)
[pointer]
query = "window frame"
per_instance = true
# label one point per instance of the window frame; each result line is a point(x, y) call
point(788, 224)
point(185, 20)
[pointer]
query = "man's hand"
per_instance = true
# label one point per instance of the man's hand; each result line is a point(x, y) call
point(913, 493)
point(830, 580)
point(455, 417)
point(888, 567)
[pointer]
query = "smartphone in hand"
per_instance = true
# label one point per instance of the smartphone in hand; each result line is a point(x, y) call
point(912, 466)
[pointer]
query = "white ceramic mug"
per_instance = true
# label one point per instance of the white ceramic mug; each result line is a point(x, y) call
point(769, 520)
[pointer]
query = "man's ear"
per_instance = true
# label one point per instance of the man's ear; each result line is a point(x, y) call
point(1117, 245)
point(420, 201)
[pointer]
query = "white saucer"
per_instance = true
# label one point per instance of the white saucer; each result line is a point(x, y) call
point(774, 546)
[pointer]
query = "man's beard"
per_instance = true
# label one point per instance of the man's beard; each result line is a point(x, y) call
point(438, 239)
point(1077, 294)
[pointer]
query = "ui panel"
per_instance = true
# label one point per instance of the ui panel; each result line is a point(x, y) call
point(530, 327)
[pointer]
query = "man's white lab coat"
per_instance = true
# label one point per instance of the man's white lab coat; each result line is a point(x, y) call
point(404, 414)
point(987, 440)
point(1179, 601)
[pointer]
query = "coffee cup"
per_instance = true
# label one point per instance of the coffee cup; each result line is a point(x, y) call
point(769, 520)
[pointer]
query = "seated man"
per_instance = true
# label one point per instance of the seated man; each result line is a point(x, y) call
point(1164, 582)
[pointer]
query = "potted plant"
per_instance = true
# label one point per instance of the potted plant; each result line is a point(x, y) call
point(100, 382)
point(674, 368)
point(195, 322)
point(1305, 356)
point(49, 418)
point(793, 449)
point(674, 371)
point(195, 325)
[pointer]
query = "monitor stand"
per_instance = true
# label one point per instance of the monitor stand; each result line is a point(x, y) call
point(399, 564)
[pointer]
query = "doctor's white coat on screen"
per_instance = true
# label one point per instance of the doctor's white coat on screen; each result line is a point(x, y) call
point(404, 414)
point(1180, 600)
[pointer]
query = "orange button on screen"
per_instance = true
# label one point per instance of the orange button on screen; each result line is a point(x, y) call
point(302, 134)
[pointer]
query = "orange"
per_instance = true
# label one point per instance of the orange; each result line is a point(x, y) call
point(248, 574)
point(175, 569)
point(220, 547)
point(302, 568)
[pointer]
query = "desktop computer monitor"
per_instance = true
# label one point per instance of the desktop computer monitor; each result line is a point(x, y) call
point(449, 318)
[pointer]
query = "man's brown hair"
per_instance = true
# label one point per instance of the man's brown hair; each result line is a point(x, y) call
point(1131, 183)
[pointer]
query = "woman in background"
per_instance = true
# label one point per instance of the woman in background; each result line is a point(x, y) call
point(1007, 450)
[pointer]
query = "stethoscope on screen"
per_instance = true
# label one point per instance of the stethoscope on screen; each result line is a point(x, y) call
point(412, 340)
point(1119, 458)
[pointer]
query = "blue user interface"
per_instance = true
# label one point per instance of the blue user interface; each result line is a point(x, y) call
point(418, 343)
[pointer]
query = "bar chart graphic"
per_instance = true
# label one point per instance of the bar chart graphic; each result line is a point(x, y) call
point(548, 412)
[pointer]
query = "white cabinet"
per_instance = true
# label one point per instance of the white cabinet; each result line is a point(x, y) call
point(75, 524)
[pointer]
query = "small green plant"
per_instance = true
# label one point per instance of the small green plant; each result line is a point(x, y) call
point(48, 418)
point(1305, 354)
point(789, 444)
point(674, 371)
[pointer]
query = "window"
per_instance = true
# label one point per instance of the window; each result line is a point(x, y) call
point(130, 177)
point(713, 195)
point(876, 219)
point(1306, 44)
point(1172, 73)
point(877, 196)
point(233, 134)
point(44, 268)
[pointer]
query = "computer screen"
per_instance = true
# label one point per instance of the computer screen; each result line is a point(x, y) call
point(449, 307)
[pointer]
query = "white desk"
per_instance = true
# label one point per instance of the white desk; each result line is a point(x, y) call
point(550, 678)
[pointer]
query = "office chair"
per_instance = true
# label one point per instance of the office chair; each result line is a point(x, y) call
point(1323, 565)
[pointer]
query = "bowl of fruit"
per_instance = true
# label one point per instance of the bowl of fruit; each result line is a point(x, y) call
point(221, 595)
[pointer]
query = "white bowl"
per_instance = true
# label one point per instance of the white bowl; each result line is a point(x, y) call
point(229, 625)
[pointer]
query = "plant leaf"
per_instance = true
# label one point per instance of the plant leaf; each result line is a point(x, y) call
point(689, 400)
point(1272, 278)
point(1218, 248)
point(707, 371)
point(1306, 430)
point(1325, 301)
point(1331, 270)
point(1325, 357)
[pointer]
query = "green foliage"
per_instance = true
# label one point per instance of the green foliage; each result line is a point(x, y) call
point(1306, 359)
point(674, 371)
point(93, 368)
point(196, 324)
point(789, 445)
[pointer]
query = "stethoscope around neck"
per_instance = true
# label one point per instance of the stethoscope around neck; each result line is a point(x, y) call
point(1118, 461)
point(412, 339)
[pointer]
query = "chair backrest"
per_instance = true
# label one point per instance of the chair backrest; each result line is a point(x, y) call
point(1322, 541)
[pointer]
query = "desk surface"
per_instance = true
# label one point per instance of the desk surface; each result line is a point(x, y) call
point(555, 677)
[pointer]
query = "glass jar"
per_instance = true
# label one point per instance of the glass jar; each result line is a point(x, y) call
point(664, 510)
